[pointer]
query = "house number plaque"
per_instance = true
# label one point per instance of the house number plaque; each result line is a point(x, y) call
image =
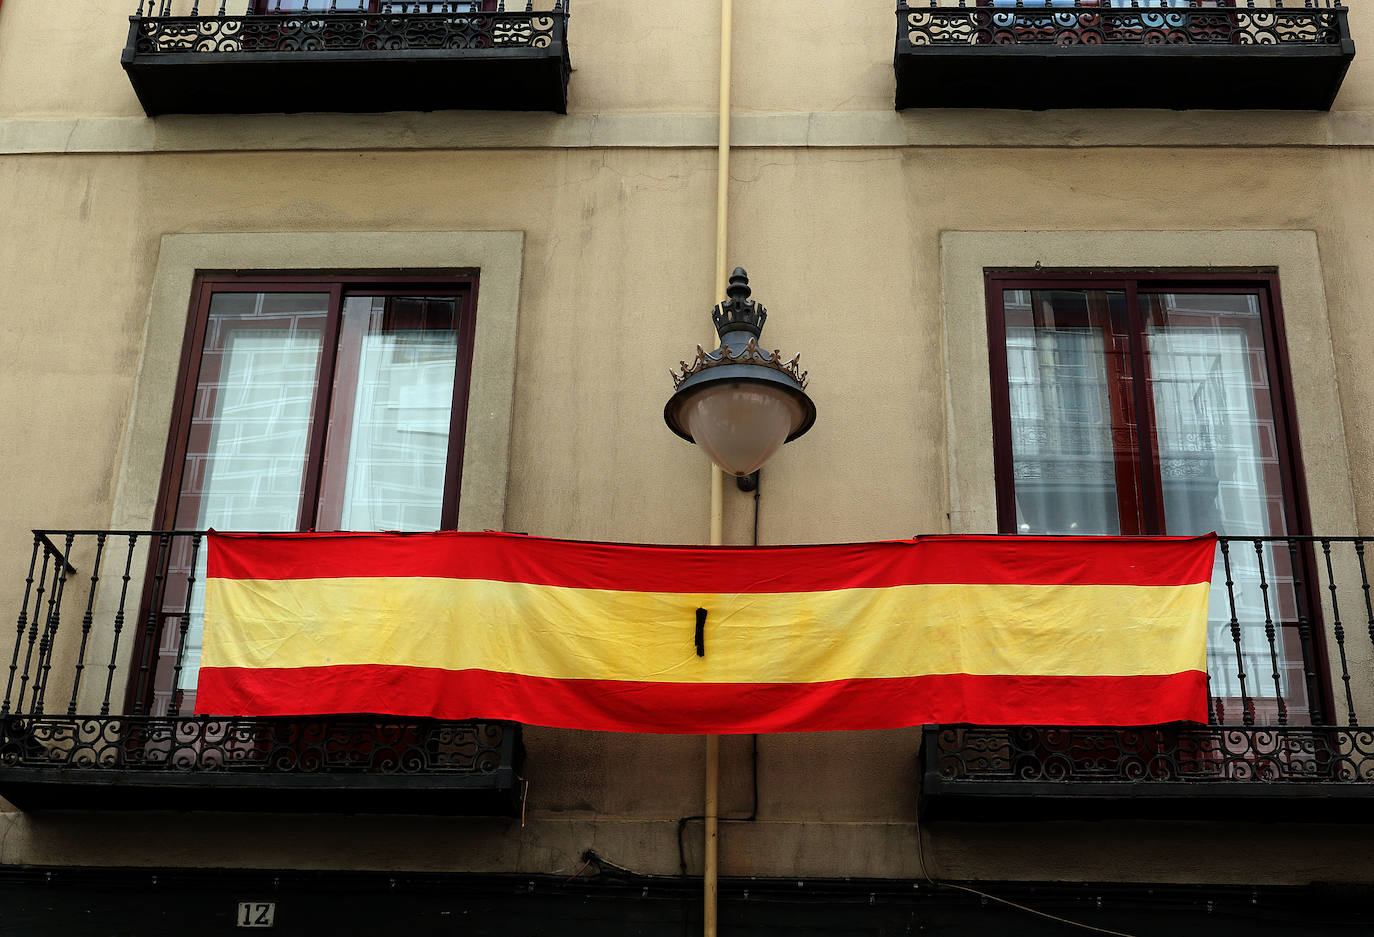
point(257, 914)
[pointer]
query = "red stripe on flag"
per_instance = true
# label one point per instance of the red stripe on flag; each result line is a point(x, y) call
point(679, 708)
point(990, 560)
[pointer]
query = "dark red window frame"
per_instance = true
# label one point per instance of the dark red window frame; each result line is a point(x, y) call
point(463, 286)
point(346, 6)
point(1147, 466)
point(1114, 28)
point(1038, 5)
point(1147, 469)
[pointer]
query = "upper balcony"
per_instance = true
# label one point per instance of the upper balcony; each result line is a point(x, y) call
point(1291, 684)
point(99, 691)
point(273, 56)
point(1180, 54)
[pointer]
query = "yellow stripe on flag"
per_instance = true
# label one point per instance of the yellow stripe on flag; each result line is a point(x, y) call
point(565, 633)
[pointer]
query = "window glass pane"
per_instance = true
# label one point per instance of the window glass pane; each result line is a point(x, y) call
point(1218, 458)
point(387, 453)
point(1068, 371)
point(1077, 15)
point(1124, 4)
point(247, 448)
point(250, 422)
point(320, 6)
point(367, 6)
point(249, 457)
point(439, 6)
point(1214, 415)
point(1193, 442)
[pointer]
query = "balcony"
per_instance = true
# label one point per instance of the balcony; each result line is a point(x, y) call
point(100, 687)
point(1291, 683)
point(1180, 54)
point(258, 56)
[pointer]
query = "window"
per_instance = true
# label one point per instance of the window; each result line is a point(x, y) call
point(1131, 406)
point(1076, 15)
point(372, 6)
point(1111, 4)
point(312, 405)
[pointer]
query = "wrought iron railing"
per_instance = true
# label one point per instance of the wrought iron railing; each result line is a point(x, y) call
point(216, 26)
point(1129, 22)
point(101, 675)
point(1179, 753)
point(1290, 678)
point(101, 672)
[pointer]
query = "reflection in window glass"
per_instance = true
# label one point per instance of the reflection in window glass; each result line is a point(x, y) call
point(1218, 459)
point(252, 447)
point(249, 439)
point(392, 402)
point(370, 6)
point(1064, 370)
point(1195, 449)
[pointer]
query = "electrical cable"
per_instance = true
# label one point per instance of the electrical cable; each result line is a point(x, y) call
point(604, 865)
point(921, 860)
point(758, 486)
point(753, 812)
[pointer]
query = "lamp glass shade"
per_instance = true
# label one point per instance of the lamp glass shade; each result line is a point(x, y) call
point(741, 424)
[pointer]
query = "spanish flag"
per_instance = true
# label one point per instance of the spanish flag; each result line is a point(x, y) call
point(631, 638)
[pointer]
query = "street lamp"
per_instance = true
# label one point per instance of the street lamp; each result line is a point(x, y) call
point(739, 402)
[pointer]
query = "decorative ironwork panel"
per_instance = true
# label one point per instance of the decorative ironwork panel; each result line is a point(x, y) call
point(210, 744)
point(944, 24)
point(345, 32)
point(1185, 754)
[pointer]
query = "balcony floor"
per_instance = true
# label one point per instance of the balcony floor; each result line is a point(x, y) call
point(348, 63)
point(1236, 773)
point(1038, 77)
point(317, 765)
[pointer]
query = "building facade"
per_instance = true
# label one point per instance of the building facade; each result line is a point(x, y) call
point(340, 265)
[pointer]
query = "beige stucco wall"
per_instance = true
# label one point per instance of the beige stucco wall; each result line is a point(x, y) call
point(851, 219)
point(628, 57)
point(854, 279)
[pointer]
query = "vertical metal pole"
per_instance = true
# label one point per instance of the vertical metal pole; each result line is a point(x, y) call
point(153, 629)
point(711, 846)
point(33, 627)
point(712, 855)
point(1309, 650)
point(48, 646)
point(23, 620)
point(1339, 630)
point(1246, 710)
point(87, 620)
point(1364, 586)
point(722, 228)
point(118, 624)
point(175, 709)
point(1269, 634)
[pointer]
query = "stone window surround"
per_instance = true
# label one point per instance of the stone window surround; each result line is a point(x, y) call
point(497, 255)
point(965, 256)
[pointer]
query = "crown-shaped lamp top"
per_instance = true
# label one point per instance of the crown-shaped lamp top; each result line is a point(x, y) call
point(739, 313)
